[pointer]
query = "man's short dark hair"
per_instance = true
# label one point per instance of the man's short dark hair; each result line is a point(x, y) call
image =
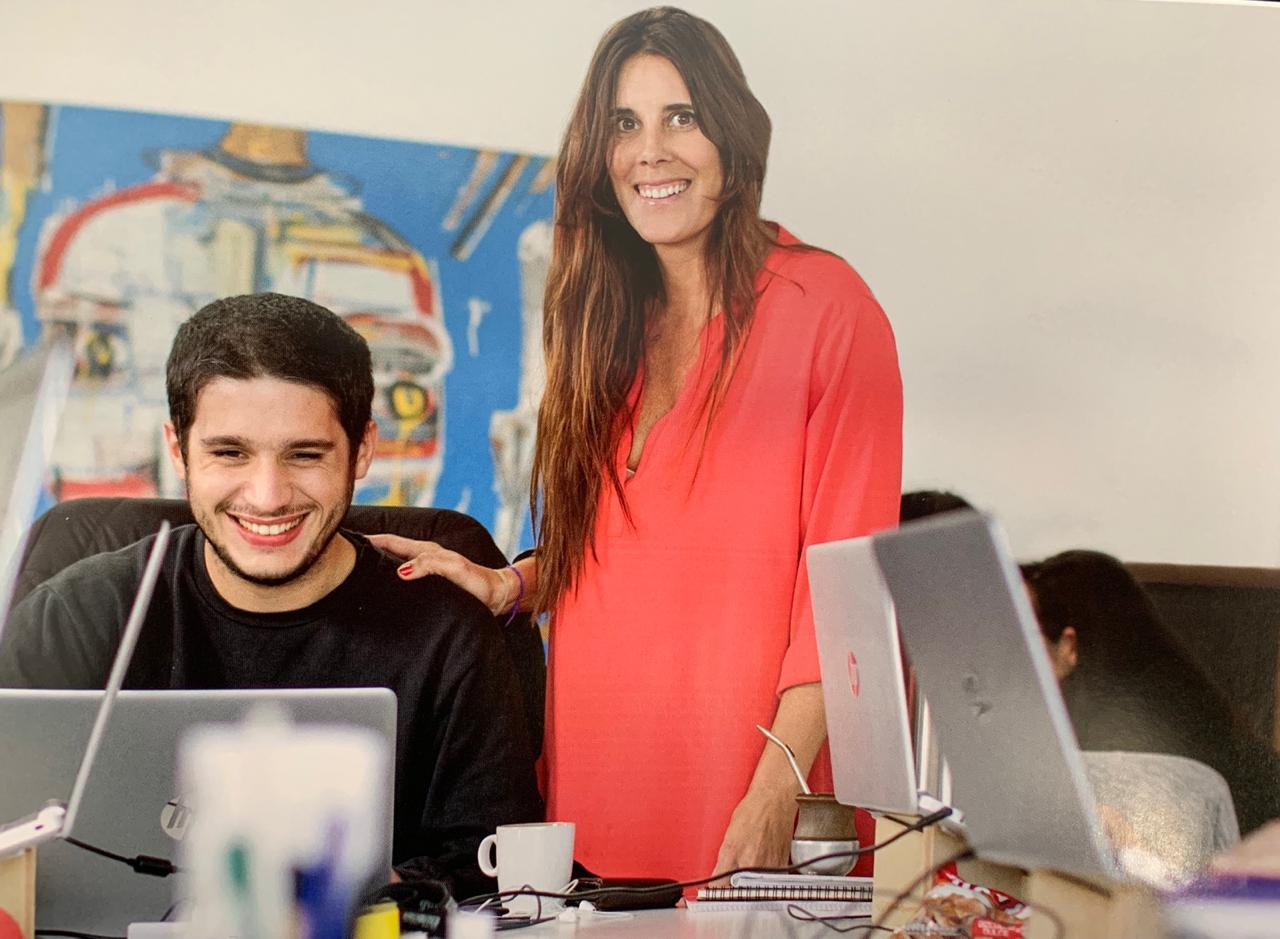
point(270, 335)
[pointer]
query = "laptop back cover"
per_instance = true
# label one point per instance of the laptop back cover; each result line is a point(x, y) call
point(970, 632)
point(862, 678)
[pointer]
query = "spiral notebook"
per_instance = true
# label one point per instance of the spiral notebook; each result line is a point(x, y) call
point(819, 894)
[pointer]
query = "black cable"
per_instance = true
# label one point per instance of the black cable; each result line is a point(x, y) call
point(795, 911)
point(537, 919)
point(798, 911)
point(894, 818)
point(919, 825)
point(102, 851)
point(173, 908)
point(72, 934)
point(142, 864)
point(502, 924)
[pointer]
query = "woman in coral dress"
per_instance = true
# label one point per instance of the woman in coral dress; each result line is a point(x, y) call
point(719, 396)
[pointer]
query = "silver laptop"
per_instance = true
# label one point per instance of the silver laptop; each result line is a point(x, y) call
point(862, 678)
point(55, 818)
point(131, 804)
point(973, 640)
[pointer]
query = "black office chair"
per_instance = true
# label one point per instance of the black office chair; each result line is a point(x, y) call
point(79, 528)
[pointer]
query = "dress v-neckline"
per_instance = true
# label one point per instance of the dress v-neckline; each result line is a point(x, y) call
point(693, 381)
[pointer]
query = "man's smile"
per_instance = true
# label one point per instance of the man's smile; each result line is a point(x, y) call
point(269, 534)
point(268, 528)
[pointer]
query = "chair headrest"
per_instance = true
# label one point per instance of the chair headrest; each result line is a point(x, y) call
point(79, 528)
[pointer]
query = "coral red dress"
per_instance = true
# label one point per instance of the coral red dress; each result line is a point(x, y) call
point(685, 628)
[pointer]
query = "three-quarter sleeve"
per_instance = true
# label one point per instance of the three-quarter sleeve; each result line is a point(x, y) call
point(852, 477)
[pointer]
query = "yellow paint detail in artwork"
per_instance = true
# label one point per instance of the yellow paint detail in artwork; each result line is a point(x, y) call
point(324, 234)
point(299, 253)
point(22, 147)
point(408, 403)
point(409, 407)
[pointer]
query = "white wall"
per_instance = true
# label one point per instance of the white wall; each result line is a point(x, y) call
point(1069, 208)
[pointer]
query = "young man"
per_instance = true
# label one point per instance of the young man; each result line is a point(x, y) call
point(269, 405)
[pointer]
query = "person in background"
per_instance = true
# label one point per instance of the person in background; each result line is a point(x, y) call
point(1129, 686)
point(923, 503)
point(719, 396)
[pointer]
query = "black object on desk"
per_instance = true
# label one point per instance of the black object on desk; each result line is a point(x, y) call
point(627, 893)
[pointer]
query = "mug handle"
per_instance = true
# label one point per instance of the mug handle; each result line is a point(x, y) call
point(484, 855)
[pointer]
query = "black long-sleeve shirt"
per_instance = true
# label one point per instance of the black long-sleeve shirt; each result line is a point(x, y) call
point(463, 760)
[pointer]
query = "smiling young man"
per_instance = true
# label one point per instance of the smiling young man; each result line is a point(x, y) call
point(269, 403)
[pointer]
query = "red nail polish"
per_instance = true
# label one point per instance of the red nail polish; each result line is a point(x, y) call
point(405, 570)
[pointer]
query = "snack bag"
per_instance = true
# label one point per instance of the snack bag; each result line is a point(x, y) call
point(956, 908)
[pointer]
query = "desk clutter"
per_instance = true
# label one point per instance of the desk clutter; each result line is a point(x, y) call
point(294, 818)
point(936, 899)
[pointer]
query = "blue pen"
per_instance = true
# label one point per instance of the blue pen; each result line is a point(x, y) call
point(323, 895)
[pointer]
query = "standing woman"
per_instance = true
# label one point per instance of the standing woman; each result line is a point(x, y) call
point(719, 396)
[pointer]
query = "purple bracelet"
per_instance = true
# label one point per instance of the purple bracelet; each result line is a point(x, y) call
point(515, 607)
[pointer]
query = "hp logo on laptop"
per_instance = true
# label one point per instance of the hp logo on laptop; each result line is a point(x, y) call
point(855, 677)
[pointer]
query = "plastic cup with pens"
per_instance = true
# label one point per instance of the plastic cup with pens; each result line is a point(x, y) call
point(284, 844)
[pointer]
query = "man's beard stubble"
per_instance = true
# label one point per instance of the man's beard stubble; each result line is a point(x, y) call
point(327, 532)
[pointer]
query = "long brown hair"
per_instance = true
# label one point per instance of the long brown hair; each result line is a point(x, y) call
point(603, 277)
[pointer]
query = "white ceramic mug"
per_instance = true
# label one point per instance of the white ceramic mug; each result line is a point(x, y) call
point(537, 855)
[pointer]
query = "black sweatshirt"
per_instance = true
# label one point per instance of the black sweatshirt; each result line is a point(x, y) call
point(463, 760)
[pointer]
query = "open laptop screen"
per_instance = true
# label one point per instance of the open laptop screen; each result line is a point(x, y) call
point(134, 803)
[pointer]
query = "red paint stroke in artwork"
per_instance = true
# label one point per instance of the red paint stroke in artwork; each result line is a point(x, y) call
point(62, 238)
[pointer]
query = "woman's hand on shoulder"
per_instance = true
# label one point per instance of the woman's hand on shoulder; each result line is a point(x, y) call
point(493, 588)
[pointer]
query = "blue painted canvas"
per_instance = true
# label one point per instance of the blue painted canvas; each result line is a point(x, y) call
point(117, 226)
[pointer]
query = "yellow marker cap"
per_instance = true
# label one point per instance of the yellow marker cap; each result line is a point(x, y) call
point(381, 921)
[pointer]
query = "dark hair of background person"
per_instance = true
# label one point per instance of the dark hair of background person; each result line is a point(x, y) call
point(270, 335)
point(603, 276)
point(1134, 688)
point(922, 503)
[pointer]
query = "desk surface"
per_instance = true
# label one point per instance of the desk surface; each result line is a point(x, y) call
point(681, 924)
